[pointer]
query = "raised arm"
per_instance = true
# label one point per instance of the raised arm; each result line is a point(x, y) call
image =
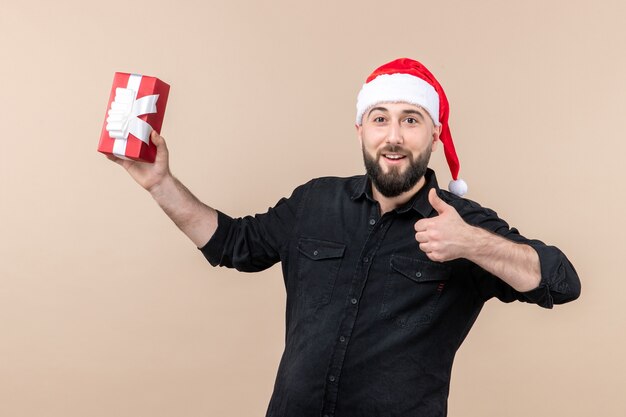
point(197, 220)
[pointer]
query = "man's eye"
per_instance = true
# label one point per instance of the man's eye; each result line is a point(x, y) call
point(411, 120)
point(379, 119)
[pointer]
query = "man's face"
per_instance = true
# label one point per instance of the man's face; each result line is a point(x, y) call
point(397, 140)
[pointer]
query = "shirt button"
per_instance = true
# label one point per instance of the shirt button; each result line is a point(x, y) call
point(418, 274)
point(331, 378)
point(354, 301)
point(372, 222)
point(315, 253)
point(342, 339)
point(366, 259)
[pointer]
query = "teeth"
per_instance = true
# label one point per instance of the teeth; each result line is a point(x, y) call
point(394, 156)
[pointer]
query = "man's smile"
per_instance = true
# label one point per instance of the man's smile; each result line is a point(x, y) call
point(393, 158)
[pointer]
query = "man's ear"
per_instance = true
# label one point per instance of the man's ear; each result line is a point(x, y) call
point(436, 140)
point(359, 128)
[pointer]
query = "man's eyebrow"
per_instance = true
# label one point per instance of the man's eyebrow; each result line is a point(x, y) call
point(377, 108)
point(416, 112)
point(406, 111)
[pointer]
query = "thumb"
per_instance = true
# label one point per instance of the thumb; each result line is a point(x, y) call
point(157, 139)
point(437, 203)
point(159, 142)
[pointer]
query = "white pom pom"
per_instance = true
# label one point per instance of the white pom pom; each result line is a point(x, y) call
point(458, 187)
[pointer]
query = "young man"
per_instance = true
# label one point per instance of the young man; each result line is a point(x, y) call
point(385, 273)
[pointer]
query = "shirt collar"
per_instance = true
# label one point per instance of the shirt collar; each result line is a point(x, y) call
point(419, 202)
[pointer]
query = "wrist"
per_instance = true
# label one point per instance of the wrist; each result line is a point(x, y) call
point(159, 188)
point(476, 243)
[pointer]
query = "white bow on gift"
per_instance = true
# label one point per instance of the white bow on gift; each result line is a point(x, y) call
point(123, 115)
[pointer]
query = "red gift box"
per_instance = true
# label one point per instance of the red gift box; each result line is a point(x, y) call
point(136, 107)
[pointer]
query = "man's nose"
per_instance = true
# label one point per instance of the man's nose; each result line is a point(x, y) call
point(394, 135)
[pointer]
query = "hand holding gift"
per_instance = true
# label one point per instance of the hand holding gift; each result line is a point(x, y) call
point(148, 175)
point(136, 108)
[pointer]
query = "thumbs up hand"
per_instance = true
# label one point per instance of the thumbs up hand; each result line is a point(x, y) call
point(446, 236)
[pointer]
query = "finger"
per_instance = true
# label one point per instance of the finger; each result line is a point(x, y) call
point(437, 203)
point(114, 159)
point(155, 137)
point(158, 140)
point(421, 225)
point(161, 147)
point(421, 237)
point(425, 247)
point(435, 257)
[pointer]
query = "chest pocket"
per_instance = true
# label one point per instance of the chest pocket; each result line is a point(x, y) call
point(412, 290)
point(318, 266)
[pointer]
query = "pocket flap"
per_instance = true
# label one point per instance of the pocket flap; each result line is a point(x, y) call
point(420, 271)
point(320, 249)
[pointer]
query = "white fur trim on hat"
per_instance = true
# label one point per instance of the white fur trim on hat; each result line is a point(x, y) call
point(398, 88)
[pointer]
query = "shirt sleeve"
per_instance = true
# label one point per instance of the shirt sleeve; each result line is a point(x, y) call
point(559, 281)
point(254, 243)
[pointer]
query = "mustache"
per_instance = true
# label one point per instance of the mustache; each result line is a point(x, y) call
point(394, 149)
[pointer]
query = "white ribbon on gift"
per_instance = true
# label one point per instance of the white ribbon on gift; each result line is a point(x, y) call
point(123, 115)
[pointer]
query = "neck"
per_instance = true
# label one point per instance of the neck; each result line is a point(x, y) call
point(388, 204)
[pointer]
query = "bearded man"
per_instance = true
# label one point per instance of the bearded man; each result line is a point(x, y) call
point(385, 273)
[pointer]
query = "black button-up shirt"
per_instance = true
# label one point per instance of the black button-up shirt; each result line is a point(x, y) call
point(372, 325)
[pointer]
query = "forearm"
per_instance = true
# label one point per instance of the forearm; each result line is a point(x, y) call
point(194, 218)
point(515, 263)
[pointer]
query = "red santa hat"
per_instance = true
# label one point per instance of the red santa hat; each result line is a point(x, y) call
point(406, 80)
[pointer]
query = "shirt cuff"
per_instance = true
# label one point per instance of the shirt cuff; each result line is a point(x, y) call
point(556, 277)
point(214, 248)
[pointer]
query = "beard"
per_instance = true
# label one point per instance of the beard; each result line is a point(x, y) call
point(396, 182)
